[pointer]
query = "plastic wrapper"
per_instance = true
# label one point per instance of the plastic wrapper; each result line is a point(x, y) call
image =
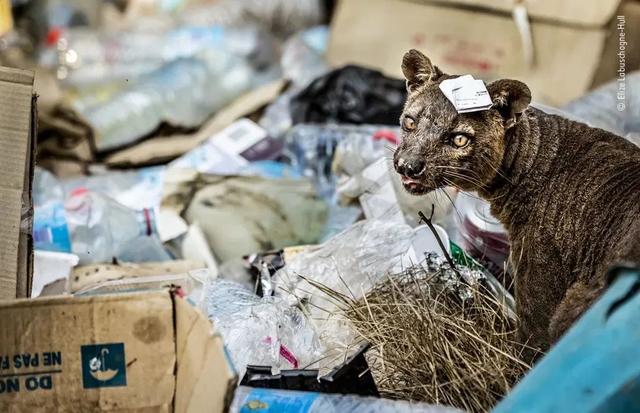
point(443, 276)
point(260, 330)
point(248, 399)
point(335, 157)
point(351, 94)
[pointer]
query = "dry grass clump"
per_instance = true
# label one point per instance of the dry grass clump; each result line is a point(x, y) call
point(428, 345)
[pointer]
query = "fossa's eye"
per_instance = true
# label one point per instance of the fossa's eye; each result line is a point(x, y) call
point(408, 123)
point(460, 141)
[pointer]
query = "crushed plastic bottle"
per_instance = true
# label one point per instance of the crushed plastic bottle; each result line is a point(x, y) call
point(180, 77)
point(260, 330)
point(102, 229)
point(248, 399)
point(178, 93)
point(311, 149)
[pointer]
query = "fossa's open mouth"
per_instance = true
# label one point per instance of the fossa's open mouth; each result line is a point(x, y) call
point(413, 186)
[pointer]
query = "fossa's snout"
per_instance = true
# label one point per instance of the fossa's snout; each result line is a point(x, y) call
point(409, 166)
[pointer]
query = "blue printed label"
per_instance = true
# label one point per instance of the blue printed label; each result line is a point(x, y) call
point(103, 365)
point(277, 401)
point(50, 231)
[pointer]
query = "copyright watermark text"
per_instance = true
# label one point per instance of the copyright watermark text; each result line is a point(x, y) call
point(622, 47)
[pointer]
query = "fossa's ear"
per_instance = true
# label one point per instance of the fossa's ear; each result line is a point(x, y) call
point(418, 70)
point(511, 98)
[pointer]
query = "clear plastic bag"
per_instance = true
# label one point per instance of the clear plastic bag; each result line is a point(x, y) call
point(260, 330)
point(349, 263)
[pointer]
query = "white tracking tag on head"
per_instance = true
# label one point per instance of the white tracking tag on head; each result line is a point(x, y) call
point(448, 86)
point(466, 94)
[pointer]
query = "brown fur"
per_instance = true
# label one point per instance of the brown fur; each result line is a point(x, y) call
point(568, 194)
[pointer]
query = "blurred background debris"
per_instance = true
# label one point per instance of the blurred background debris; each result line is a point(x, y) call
point(239, 154)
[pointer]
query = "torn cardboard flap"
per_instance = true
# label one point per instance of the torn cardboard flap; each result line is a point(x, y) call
point(125, 352)
point(17, 134)
point(205, 379)
point(95, 276)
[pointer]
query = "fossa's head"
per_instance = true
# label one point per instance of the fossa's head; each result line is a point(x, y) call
point(442, 147)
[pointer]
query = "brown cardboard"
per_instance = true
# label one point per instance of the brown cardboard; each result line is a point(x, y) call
point(610, 62)
point(88, 277)
point(463, 40)
point(142, 351)
point(580, 12)
point(17, 133)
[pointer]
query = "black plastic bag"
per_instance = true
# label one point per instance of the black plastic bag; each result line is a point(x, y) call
point(352, 94)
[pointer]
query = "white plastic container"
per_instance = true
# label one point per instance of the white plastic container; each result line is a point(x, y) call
point(49, 266)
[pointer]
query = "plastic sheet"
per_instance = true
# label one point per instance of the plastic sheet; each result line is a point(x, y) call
point(260, 330)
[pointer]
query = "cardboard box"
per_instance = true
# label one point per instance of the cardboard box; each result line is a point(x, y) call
point(568, 40)
point(17, 134)
point(141, 351)
point(579, 12)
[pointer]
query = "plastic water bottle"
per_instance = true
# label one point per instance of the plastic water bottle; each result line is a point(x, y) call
point(84, 57)
point(248, 399)
point(103, 229)
point(50, 230)
point(311, 148)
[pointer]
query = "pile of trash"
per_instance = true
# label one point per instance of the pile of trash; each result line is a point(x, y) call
point(214, 203)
